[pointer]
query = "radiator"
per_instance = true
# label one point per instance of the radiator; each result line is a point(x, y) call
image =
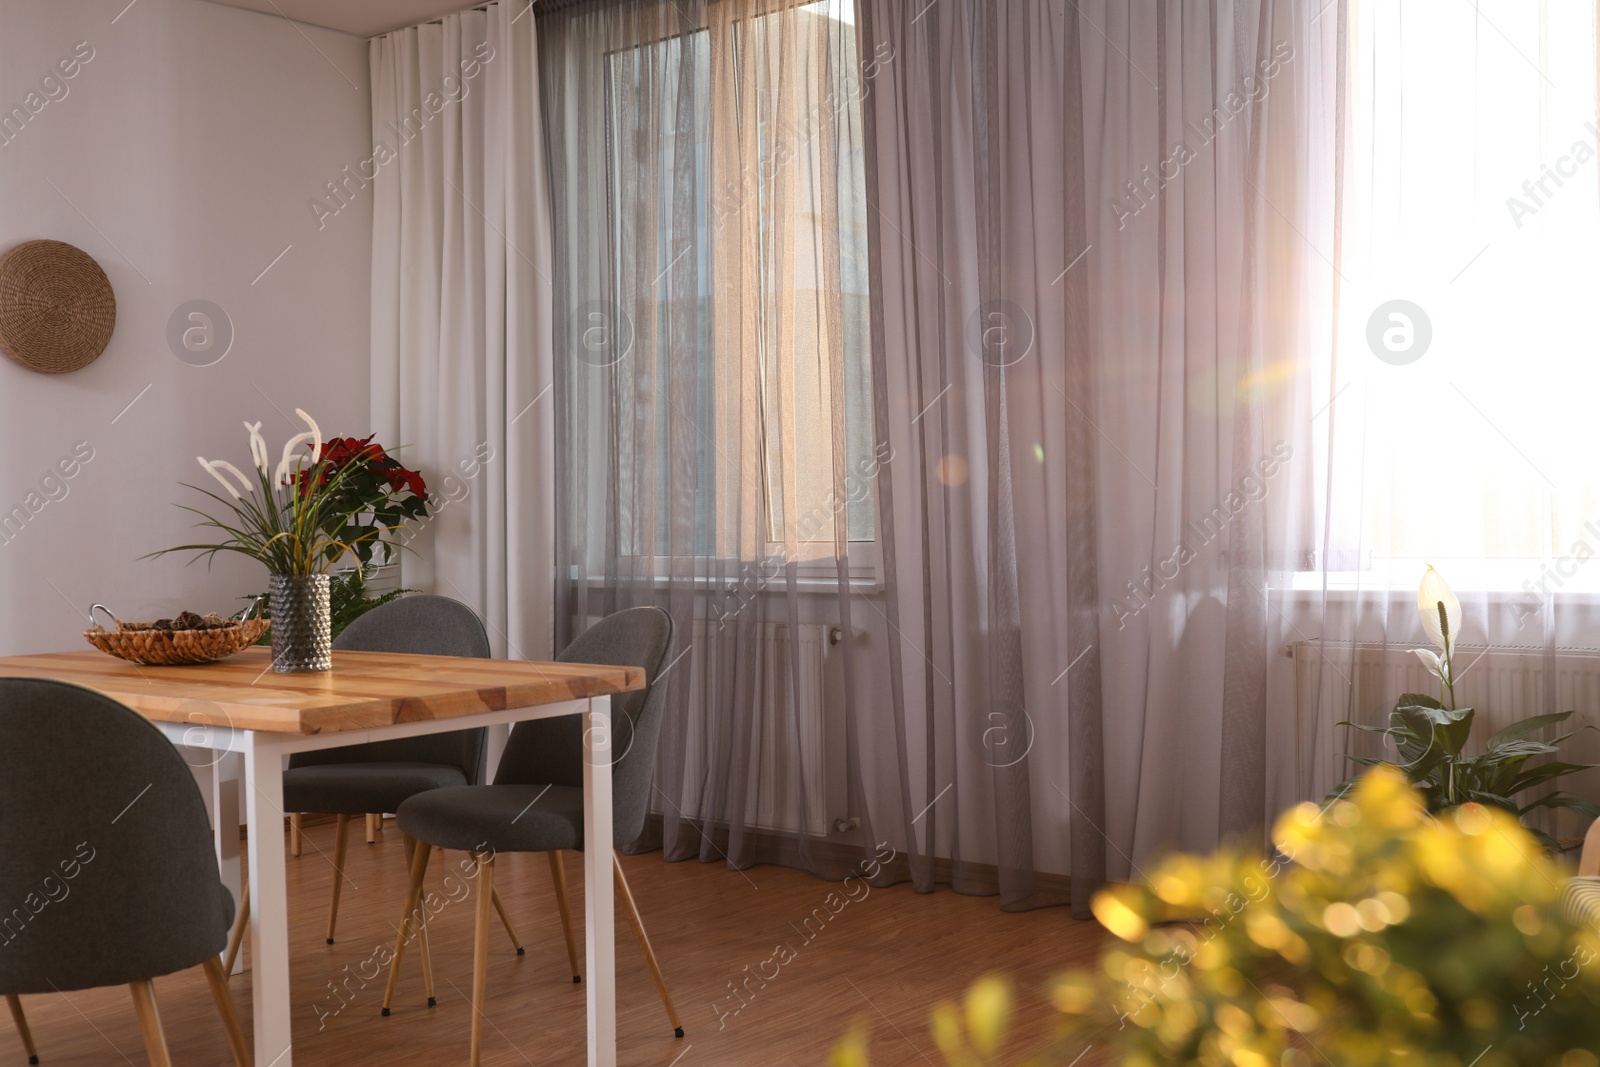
point(1361, 682)
point(795, 781)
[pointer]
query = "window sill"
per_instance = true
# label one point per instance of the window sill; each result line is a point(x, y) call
point(1499, 580)
point(866, 585)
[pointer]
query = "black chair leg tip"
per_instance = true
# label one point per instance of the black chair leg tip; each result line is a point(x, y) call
point(522, 952)
point(330, 940)
point(678, 1032)
point(34, 1060)
point(385, 1013)
point(576, 979)
point(433, 1002)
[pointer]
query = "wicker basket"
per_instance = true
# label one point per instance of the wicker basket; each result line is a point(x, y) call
point(138, 642)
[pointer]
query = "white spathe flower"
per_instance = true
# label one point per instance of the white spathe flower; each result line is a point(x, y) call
point(1433, 595)
point(215, 467)
point(1430, 659)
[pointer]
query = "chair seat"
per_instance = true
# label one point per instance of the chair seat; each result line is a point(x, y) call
point(502, 818)
point(1580, 902)
point(357, 788)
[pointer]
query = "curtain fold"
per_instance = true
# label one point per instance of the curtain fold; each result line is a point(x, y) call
point(461, 309)
point(978, 205)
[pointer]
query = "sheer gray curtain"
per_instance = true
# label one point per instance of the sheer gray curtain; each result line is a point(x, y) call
point(1097, 317)
point(989, 531)
point(716, 449)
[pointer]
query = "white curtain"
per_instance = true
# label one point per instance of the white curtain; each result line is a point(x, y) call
point(1458, 386)
point(461, 333)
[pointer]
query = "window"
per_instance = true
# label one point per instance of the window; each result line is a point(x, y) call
point(1465, 376)
point(749, 288)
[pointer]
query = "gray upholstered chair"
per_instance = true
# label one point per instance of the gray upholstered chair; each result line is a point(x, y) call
point(106, 858)
point(536, 801)
point(378, 777)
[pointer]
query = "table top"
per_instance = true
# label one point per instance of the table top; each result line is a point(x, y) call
point(364, 690)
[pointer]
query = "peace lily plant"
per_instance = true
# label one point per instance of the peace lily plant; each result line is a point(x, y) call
point(1430, 735)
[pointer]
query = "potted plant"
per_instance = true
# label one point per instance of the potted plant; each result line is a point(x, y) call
point(1430, 736)
point(300, 518)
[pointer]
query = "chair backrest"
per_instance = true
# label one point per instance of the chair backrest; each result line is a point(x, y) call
point(421, 625)
point(107, 870)
point(551, 750)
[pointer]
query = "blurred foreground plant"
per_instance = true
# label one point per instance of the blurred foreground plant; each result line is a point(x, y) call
point(1386, 937)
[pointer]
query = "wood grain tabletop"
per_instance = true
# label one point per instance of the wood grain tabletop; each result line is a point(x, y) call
point(364, 690)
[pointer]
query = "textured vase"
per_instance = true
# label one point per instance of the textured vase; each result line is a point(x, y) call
point(302, 632)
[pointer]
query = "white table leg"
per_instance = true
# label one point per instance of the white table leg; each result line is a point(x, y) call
point(496, 745)
point(227, 785)
point(219, 773)
point(600, 928)
point(269, 911)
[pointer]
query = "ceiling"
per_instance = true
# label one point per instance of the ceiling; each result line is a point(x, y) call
point(364, 18)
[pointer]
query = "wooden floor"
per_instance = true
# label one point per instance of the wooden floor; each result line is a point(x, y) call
point(886, 957)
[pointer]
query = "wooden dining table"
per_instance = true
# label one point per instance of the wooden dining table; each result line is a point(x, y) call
point(238, 720)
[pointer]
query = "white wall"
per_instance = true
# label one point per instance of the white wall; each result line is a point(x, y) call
point(188, 147)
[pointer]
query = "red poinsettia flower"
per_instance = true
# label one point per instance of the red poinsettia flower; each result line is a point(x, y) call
point(377, 476)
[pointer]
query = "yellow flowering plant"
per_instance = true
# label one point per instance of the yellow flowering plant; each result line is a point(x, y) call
point(1377, 936)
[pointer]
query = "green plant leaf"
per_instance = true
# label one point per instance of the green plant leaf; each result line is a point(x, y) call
point(1445, 728)
point(1526, 727)
point(1565, 800)
point(1545, 772)
point(1513, 750)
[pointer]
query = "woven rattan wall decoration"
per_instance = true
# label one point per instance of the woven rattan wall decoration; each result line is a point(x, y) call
point(57, 309)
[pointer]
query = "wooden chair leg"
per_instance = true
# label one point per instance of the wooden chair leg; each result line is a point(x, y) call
point(240, 925)
point(505, 920)
point(426, 948)
point(480, 954)
point(626, 897)
point(423, 945)
point(155, 1041)
point(374, 827)
point(341, 833)
point(217, 978)
point(15, 1004)
point(558, 875)
point(420, 851)
point(294, 834)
